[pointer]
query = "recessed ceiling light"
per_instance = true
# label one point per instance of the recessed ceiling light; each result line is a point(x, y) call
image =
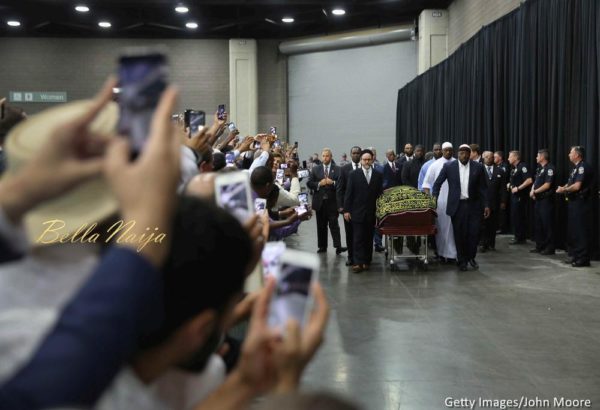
point(288, 19)
point(82, 8)
point(191, 24)
point(181, 9)
point(105, 24)
point(338, 12)
point(13, 23)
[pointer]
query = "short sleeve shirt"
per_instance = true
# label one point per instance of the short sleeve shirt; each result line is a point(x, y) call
point(518, 175)
point(581, 173)
point(545, 174)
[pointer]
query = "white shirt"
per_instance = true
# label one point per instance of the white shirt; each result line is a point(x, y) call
point(463, 170)
point(355, 165)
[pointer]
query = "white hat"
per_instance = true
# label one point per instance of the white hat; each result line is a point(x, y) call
point(463, 147)
point(447, 145)
point(89, 202)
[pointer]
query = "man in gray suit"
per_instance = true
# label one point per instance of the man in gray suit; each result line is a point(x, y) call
point(323, 180)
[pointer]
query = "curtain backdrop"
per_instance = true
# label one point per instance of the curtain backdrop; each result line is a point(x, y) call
point(529, 80)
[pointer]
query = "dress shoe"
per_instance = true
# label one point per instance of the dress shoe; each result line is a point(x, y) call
point(462, 267)
point(580, 264)
point(349, 263)
point(483, 249)
point(474, 264)
point(340, 250)
point(379, 249)
point(322, 250)
point(517, 241)
point(569, 261)
point(534, 250)
point(365, 267)
point(547, 252)
point(357, 268)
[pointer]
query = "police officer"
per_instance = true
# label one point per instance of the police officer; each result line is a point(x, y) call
point(578, 193)
point(504, 207)
point(520, 179)
point(542, 192)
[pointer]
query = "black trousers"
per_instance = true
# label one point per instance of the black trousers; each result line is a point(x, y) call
point(518, 216)
point(349, 239)
point(544, 232)
point(465, 223)
point(328, 215)
point(489, 226)
point(579, 224)
point(363, 241)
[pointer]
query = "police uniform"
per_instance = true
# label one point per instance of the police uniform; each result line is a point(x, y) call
point(544, 209)
point(580, 214)
point(503, 214)
point(518, 202)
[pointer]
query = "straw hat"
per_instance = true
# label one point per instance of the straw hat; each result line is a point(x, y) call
point(89, 202)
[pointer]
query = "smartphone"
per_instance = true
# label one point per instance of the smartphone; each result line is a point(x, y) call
point(292, 298)
point(301, 210)
point(230, 158)
point(296, 144)
point(283, 166)
point(143, 74)
point(232, 192)
point(304, 164)
point(276, 143)
point(303, 198)
point(221, 112)
point(194, 119)
point(232, 127)
point(271, 256)
point(256, 144)
point(260, 205)
point(303, 173)
point(273, 130)
point(279, 176)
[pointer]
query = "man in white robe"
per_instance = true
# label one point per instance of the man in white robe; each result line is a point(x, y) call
point(444, 239)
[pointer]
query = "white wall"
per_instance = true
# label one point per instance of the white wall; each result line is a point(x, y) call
point(466, 17)
point(342, 98)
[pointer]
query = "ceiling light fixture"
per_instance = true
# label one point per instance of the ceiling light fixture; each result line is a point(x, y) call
point(288, 19)
point(191, 25)
point(105, 24)
point(13, 23)
point(82, 9)
point(181, 9)
point(338, 12)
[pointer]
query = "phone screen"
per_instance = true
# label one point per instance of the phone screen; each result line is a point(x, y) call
point(232, 126)
point(234, 198)
point(273, 130)
point(221, 112)
point(303, 198)
point(260, 205)
point(303, 173)
point(279, 176)
point(142, 80)
point(291, 295)
point(194, 120)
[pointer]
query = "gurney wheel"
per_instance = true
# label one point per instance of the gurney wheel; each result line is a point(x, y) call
point(392, 266)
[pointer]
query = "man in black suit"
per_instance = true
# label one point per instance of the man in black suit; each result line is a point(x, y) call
point(341, 191)
point(466, 201)
point(392, 170)
point(322, 181)
point(364, 187)
point(497, 195)
point(411, 169)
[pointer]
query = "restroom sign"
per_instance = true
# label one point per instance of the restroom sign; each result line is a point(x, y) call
point(37, 96)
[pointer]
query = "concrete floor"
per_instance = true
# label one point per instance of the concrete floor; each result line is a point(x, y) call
point(522, 325)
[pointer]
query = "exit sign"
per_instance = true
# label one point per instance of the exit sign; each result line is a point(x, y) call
point(436, 14)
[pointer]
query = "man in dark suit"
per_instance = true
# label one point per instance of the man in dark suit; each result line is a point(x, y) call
point(411, 169)
point(392, 171)
point(341, 191)
point(497, 195)
point(364, 187)
point(322, 181)
point(466, 200)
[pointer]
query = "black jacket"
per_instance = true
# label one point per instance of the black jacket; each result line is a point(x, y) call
point(360, 198)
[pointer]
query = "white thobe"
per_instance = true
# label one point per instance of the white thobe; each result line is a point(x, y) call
point(444, 239)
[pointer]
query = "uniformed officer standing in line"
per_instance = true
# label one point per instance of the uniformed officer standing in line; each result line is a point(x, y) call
point(504, 208)
point(578, 193)
point(520, 179)
point(542, 192)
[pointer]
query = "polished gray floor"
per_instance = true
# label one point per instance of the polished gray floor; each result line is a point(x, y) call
point(521, 325)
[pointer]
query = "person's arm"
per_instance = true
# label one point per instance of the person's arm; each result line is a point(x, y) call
point(340, 189)
point(261, 161)
point(287, 199)
point(96, 333)
point(437, 185)
point(313, 181)
point(348, 198)
point(294, 187)
point(405, 174)
point(428, 181)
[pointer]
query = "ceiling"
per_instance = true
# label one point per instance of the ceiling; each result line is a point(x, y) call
point(215, 18)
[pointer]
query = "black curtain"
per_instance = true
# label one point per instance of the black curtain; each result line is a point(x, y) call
point(529, 80)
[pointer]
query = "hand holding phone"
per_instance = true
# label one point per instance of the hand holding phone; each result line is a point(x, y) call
point(221, 112)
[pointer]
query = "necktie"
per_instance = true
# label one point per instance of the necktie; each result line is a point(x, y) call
point(489, 172)
point(393, 167)
point(369, 176)
point(326, 171)
point(355, 166)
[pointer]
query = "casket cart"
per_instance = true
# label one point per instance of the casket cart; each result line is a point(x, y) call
point(405, 225)
point(405, 212)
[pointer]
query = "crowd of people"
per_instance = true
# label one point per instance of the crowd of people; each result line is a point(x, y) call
point(473, 193)
point(123, 285)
